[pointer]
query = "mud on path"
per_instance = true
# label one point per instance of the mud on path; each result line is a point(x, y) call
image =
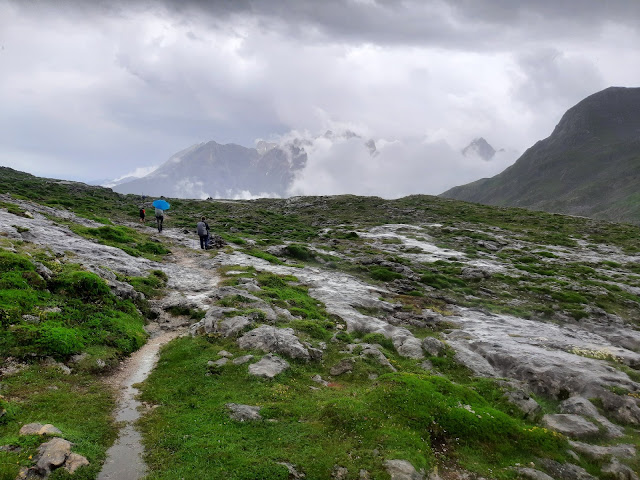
point(190, 282)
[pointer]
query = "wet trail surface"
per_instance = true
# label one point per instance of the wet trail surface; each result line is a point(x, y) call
point(124, 459)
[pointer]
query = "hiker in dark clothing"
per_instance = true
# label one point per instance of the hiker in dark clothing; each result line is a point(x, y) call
point(203, 233)
point(159, 218)
point(142, 215)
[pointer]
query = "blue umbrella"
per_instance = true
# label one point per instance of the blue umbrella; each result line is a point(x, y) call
point(161, 204)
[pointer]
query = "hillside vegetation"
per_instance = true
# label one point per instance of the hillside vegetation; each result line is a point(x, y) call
point(426, 330)
point(589, 165)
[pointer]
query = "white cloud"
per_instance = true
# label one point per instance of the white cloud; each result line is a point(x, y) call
point(85, 89)
point(401, 167)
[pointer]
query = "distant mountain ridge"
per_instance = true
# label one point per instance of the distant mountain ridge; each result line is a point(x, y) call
point(589, 165)
point(214, 170)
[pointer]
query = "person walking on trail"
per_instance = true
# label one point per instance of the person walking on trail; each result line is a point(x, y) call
point(142, 215)
point(203, 233)
point(159, 218)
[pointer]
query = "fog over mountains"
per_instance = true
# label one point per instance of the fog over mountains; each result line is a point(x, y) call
point(337, 161)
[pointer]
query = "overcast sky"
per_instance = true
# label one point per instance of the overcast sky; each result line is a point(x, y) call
point(92, 90)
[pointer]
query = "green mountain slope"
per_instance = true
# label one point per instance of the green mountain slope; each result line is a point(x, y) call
point(590, 165)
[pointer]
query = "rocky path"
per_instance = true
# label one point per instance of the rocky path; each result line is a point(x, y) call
point(571, 361)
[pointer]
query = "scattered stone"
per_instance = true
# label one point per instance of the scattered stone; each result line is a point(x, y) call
point(596, 452)
point(32, 319)
point(339, 473)
point(232, 326)
point(565, 471)
point(533, 474)
point(527, 405)
point(363, 474)
point(218, 363)
point(241, 360)
point(243, 413)
point(224, 353)
point(619, 471)
point(39, 429)
point(581, 406)
point(624, 409)
point(374, 351)
point(269, 366)
point(343, 366)
point(402, 470)
point(409, 347)
point(293, 473)
point(318, 379)
point(274, 340)
point(426, 365)
point(10, 448)
point(471, 273)
point(433, 346)
point(570, 425)
point(52, 455)
point(74, 462)
point(100, 363)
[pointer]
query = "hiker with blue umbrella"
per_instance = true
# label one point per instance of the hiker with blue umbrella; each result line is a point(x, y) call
point(160, 206)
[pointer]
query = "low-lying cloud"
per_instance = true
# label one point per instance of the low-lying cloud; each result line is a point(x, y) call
point(397, 168)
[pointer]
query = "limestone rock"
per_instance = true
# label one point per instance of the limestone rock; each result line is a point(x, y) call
point(570, 425)
point(339, 473)
point(343, 366)
point(565, 471)
point(402, 470)
point(527, 405)
point(581, 406)
point(230, 327)
point(318, 379)
point(224, 353)
point(218, 363)
point(274, 340)
point(533, 474)
point(39, 429)
point(43, 271)
point(241, 360)
point(409, 347)
point(74, 462)
point(269, 366)
point(619, 471)
point(243, 413)
point(293, 473)
point(624, 409)
point(52, 455)
point(472, 360)
point(597, 452)
point(433, 346)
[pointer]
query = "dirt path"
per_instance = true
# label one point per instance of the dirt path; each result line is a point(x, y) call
point(125, 458)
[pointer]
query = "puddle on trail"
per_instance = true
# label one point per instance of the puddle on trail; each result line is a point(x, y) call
point(124, 459)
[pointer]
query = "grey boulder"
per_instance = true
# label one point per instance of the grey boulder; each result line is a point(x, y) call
point(274, 340)
point(570, 425)
point(269, 366)
point(243, 413)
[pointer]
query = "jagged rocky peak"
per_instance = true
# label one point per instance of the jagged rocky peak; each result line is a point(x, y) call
point(263, 147)
point(481, 148)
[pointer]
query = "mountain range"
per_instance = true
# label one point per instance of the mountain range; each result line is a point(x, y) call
point(589, 165)
point(214, 170)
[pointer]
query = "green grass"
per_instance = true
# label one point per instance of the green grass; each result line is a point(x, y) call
point(79, 405)
point(401, 415)
point(127, 239)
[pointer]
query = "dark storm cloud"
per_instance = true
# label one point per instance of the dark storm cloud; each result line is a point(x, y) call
point(468, 24)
